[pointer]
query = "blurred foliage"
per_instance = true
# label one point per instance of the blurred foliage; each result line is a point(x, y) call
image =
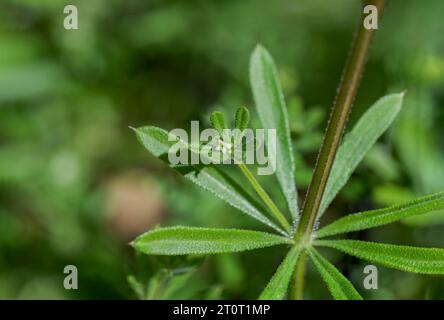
point(75, 186)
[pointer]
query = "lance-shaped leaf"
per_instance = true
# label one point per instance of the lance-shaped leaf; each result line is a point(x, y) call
point(405, 258)
point(159, 143)
point(358, 142)
point(189, 240)
point(217, 120)
point(375, 218)
point(338, 285)
point(272, 112)
point(242, 118)
point(277, 288)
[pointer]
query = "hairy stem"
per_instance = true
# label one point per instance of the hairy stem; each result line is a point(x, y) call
point(297, 290)
point(265, 197)
point(342, 106)
point(338, 118)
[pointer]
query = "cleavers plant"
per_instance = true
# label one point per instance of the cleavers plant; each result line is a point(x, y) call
point(298, 229)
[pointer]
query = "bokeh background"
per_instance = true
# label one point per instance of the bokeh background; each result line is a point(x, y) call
point(76, 187)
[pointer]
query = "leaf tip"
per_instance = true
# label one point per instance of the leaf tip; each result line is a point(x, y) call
point(400, 96)
point(260, 51)
point(242, 118)
point(217, 120)
point(258, 47)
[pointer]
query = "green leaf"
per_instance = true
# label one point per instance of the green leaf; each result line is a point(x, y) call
point(190, 240)
point(217, 120)
point(272, 112)
point(210, 178)
point(155, 140)
point(222, 186)
point(405, 258)
point(375, 218)
point(136, 286)
point(277, 288)
point(175, 283)
point(338, 285)
point(242, 118)
point(358, 142)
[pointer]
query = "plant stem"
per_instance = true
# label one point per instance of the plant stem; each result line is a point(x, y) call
point(338, 118)
point(342, 105)
point(297, 291)
point(265, 197)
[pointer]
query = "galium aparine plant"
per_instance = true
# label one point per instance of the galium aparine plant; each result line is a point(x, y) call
point(294, 228)
point(272, 112)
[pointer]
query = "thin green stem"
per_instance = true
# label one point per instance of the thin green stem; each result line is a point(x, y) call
point(348, 86)
point(298, 285)
point(265, 197)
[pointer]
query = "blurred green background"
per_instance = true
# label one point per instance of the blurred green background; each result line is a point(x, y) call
point(76, 187)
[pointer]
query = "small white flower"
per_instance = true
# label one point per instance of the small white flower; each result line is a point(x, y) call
point(223, 146)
